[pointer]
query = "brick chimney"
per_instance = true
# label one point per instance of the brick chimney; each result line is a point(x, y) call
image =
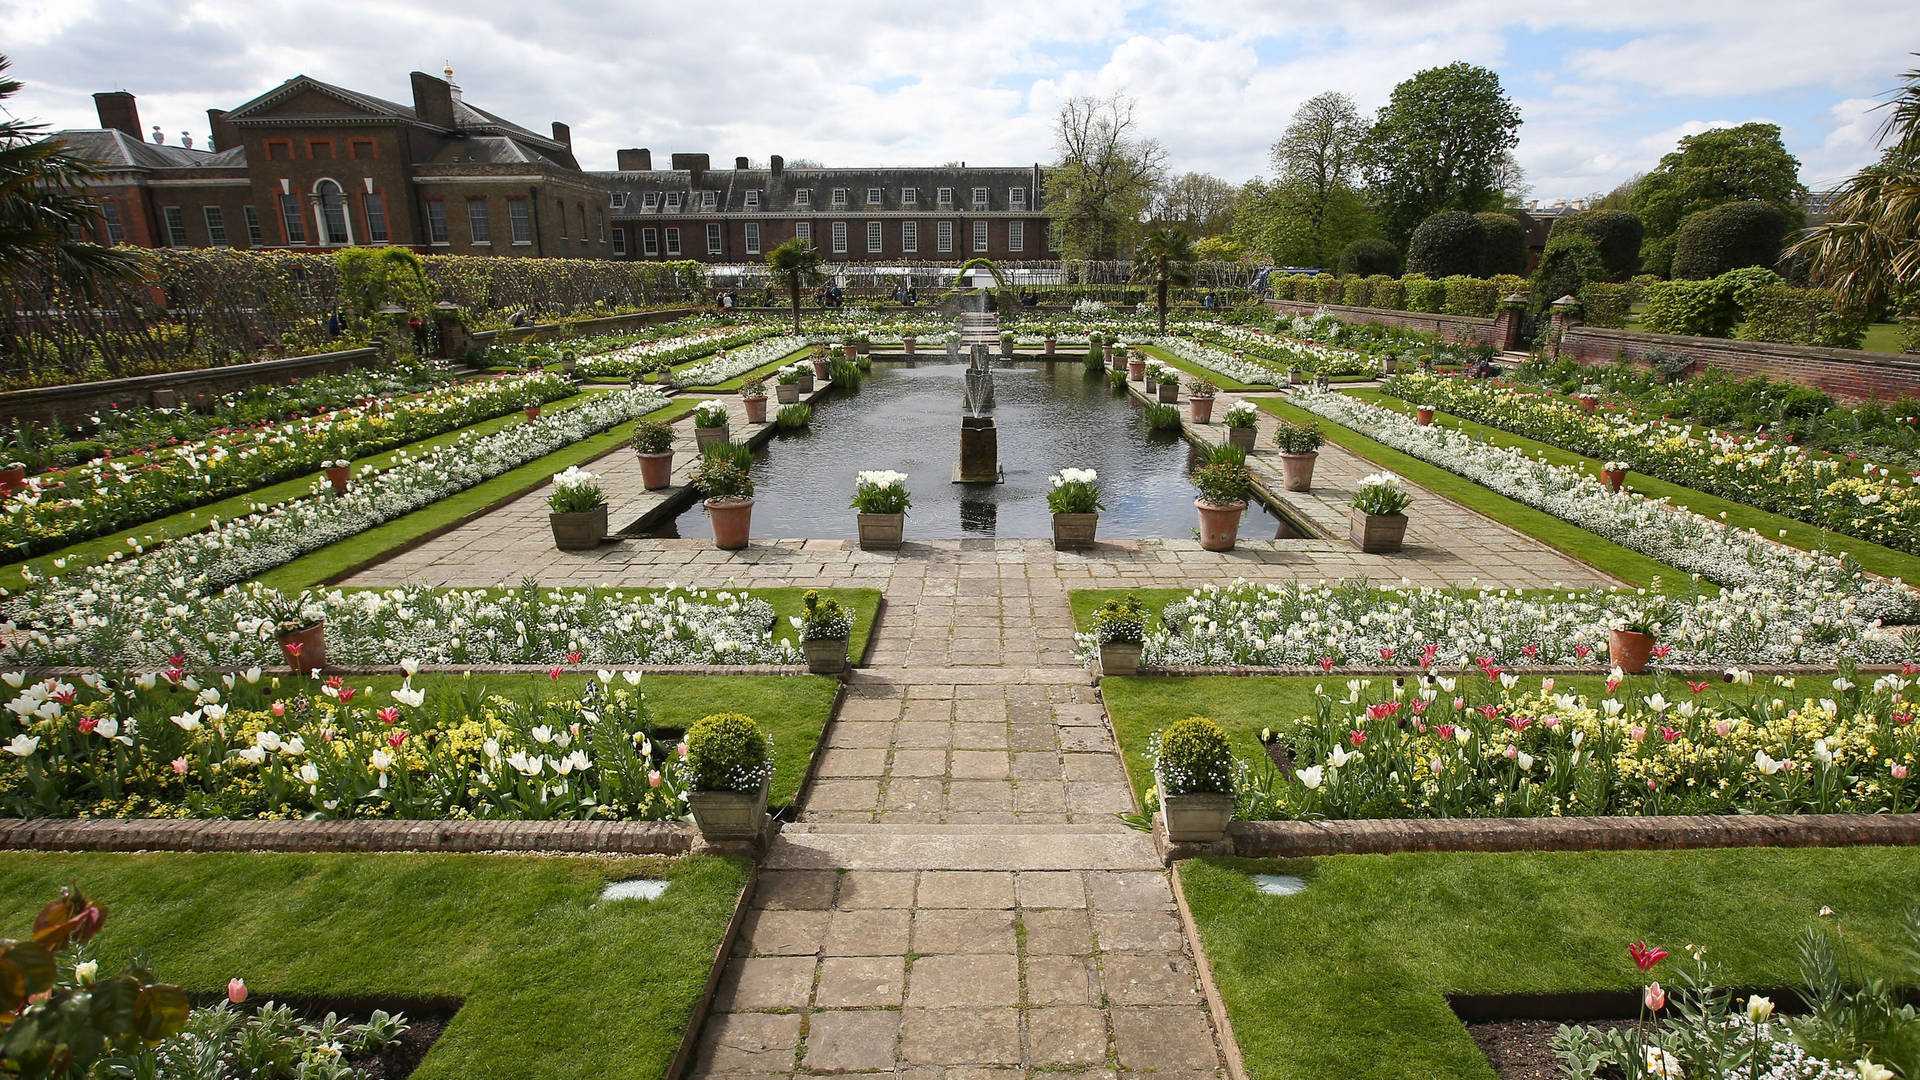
point(777, 164)
point(223, 135)
point(635, 160)
point(740, 163)
point(694, 164)
point(563, 134)
point(118, 112)
point(432, 100)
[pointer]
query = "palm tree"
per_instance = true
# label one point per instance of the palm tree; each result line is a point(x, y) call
point(44, 210)
point(1869, 249)
point(1165, 258)
point(794, 262)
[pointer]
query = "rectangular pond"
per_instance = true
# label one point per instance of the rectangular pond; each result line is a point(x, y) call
point(905, 416)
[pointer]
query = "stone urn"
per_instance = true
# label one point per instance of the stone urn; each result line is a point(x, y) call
point(826, 656)
point(656, 470)
point(1219, 525)
point(1243, 437)
point(729, 816)
point(1376, 533)
point(1202, 408)
point(305, 648)
point(1194, 819)
point(1169, 393)
point(1119, 657)
point(580, 531)
point(1615, 479)
point(337, 476)
point(732, 521)
point(704, 437)
point(1136, 368)
point(788, 393)
point(1629, 650)
point(1423, 416)
point(756, 408)
point(881, 532)
point(1296, 471)
point(1074, 532)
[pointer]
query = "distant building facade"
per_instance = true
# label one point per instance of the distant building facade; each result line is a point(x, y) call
point(311, 165)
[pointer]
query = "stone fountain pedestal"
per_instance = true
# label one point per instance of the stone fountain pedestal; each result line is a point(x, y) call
point(979, 452)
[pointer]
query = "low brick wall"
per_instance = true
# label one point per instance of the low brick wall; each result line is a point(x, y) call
point(1293, 839)
point(612, 324)
point(117, 834)
point(1847, 374)
point(1459, 328)
point(43, 404)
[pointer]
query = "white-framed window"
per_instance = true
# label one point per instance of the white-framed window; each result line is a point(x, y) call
point(1016, 235)
point(875, 242)
point(944, 236)
point(376, 207)
point(713, 238)
point(176, 225)
point(599, 225)
point(909, 196)
point(650, 201)
point(216, 225)
point(619, 241)
point(979, 198)
point(436, 222)
point(1017, 198)
point(478, 224)
point(673, 201)
point(673, 241)
point(803, 230)
point(873, 196)
point(753, 198)
point(332, 213)
point(943, 197)
point(707, 200)
point(753, 237)
point(520, 221)
point(840, 237)
point(839, 196)
point(255, 236)
point(649, 241)
point(979, 236)
point(803, 197)
point(117, 234)
point(619, 200)
point(909, 236)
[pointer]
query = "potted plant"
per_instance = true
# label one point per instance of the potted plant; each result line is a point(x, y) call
point(1200, 400)
point(1589, 403)
point(1299, 448)
point(653, 441)
point(1614, 475)
point(1120, 627)
point(1389, 363)
point(1136, 367)
point(1051, 338)
point(1242, 421)
point(1006, 343)
point(1074, 502)
point(850, 348)
point(578, 510)
point(729, 765)
point(881, 497)
point(753, 394)
point(727, 489)
point(1632, 634)
point(13, 477)
point(1423, 416)
point(1224, 485)
point(300, 628)
point(338, 470)
point(1296, 376)
point(908, 342)
point(820, 356)
point(788, 383)
point(862, 344)
point(805, 385)
point(1168, 380)
point(1377, 521)
point(533, 408)
point(709, 424)
point(825, 625)
point(569, 364)
point(1193, 770)
point(1114, 360)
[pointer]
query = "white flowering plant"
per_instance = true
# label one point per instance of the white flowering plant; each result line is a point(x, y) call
point(710, 414)
point(822, 618)
point(728, 752)
point(881, 491)
point(1192, 757)
point(1241, 414)
point(1074, 491)
point(1381, 494)
point(576, 491)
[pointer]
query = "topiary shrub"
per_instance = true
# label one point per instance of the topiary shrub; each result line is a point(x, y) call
point(1801, 317)
point(1506, 251)
point(1508, 284)
point(1297, 286)
point(1386, 292)
point(1449, 242)
point(1698, 308)
point(1329, 289)
point(1566, 266)
point(1353, 291)
point(727, 752)
point(1471, 296)
point(1370, 256)
point(1617, 235)
point(1604, 303)
point(1423, 293)
point(1728, 237)
point(1192, 757)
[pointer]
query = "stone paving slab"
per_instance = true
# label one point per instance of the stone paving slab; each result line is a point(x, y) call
point(892, 847)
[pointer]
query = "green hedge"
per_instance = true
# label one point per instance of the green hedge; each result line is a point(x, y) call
point(1606, 304)
point(1802, 317)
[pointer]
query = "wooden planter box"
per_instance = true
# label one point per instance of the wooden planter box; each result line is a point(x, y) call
point(788, 393)
point(1120, 657)
point(881, 532)
point(1376, 533)
point(579, 532)
point(704, 437)
point(725, 816)
point(1074, 532)
point(1194, 819)
point(826, 656)
point(1243, 437)
point(1169, 393)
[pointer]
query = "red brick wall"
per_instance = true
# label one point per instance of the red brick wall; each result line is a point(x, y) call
point(778, 230)
point(1458, 328)
point(1847, 374)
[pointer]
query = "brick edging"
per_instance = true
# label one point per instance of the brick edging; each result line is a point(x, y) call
point(148, 834)
point(1294, 839)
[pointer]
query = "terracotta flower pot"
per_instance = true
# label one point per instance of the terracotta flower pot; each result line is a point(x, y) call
point(1106, 353)
point(826, 656)
point(820, 366)
point(1119, 657)
point(1629, 650)
point(1202, 409)
point(1615, 479)
point(1296, 471)
point(881, 532)
point(579, 532)
point(728, 816)
point(1136, 368)
point(704, 437)
point(1048, 344)
point(656, 470)
point(851, 351)
point(12, 480)
point(305, 649)
point(789, 393)
point(1219, 525)
point(1194, 819)
point(907, 345)
point(1242, 437)
point(533, 412)
point(732, 520)
point(1423, 417)
point(337, 476)
point(1376, 534)
point(1589, 404)
point(756, 408)
point(1169, 393)
point(1074, 532)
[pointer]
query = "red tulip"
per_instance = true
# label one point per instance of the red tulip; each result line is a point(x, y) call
point(389, 714)
point(1646, 955)
point(395, 738)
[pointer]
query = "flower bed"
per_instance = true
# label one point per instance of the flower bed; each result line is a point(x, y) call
point(1862, 499)
point(663, 352)
point(1282, 353)
point(66, 506)
point(727, 365)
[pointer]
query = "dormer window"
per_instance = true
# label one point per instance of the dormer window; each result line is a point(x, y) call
point(1017, 198)
point(944, 197)
point(839, 196)
point(706, 200)
point(873, 196)
point(753, 198)
point(650, 201)
point(803, 197)
point(979, 198)
point(619, 200)
point(909, 196)
point(673, 200)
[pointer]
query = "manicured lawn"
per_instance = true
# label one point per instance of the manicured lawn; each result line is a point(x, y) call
point(1348, 977)
point(1143, 704)
point(1880, 560)
point(1882, 337)
point(555, 983)
point(1629, 566)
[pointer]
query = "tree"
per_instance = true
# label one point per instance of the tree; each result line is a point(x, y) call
point(1104, 178)
point(1869, 249)
point(1506, 249)
point(45, 212)
point(1219, 249)
point(1197, 203)
point(1616, 233)
point(794, 263)
point(1449, 242)
point(1277, 221)
point(1440, 143)
point(1728, 237)
point(1164, 258)
point(1735, 164)
point(1365, 258)
point(1319, 156)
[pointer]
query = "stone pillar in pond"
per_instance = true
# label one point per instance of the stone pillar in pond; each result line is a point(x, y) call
point(979, 452)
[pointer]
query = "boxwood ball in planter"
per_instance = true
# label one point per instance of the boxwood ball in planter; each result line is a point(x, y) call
point(1120, 626)
point(825, 626)
point(1193, 770)
point(729, 764)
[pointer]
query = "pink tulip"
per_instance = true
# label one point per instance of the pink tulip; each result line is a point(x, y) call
point(179, 766)
point(1899, 771)
point(653, 778)
point(680, 748)
point(1655, 997)
point(1723, 728)
point(236, 990)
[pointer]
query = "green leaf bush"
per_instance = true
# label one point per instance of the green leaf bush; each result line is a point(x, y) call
point(1448, 243)
point(1192, 757)
point(728, 752)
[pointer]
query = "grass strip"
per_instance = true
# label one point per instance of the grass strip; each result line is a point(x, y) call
point(1627, 565)
point(1206, 373)
point(1349, 977)
point(557, 984)
point(1880, 560)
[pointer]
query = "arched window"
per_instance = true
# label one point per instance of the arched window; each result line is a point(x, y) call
point(330, 206)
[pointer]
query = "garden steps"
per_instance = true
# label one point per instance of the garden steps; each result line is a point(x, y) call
point(962, 847)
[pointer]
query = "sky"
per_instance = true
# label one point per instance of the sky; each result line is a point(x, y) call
point(1605, 88)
